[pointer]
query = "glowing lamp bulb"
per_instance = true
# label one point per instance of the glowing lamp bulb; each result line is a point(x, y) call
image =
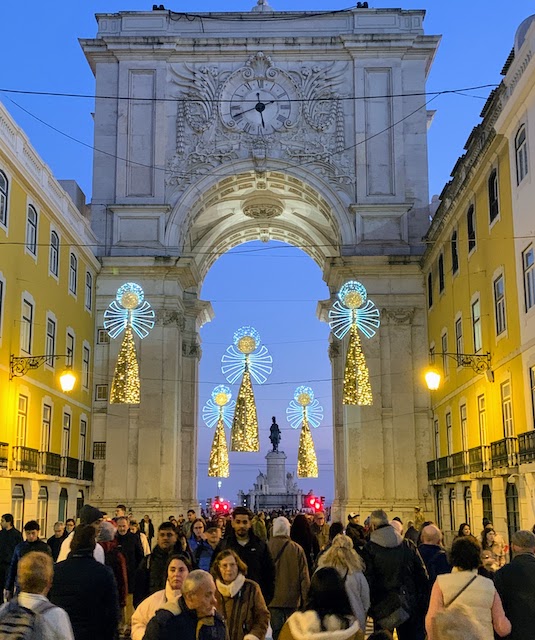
point(67, 380)
point(432, 379)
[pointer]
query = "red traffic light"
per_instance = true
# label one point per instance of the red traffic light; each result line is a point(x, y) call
point(311, 501)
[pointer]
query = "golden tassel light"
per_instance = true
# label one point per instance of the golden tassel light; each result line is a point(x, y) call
point(247, 359)
point(306, 410)
point(217, 411)
point(351, 313)
point(125, 387)
point(129, 312)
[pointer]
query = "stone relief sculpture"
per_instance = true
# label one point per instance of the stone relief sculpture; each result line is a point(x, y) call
point(259, 111)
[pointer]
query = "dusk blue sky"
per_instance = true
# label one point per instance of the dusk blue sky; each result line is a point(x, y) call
point(271, 286)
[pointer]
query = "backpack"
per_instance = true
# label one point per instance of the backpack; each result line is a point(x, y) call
point(20, 623)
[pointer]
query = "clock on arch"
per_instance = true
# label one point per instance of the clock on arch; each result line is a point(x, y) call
point(259, 104)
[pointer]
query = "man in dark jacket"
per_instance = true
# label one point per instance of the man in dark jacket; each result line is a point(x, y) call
point(32, 543)
point(196, 619)
point(399, 585)
point(9, 539)
point(355, 530)
point(151, 574)
point(433, 553)
point(515, 582)
point(130, 546)
point(254, 552)
point(86, 589)
point(55, 541)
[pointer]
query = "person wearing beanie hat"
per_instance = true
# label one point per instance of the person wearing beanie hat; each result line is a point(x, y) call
point(292, 579)
point(88, 515)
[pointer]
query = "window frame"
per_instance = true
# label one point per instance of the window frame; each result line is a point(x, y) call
point(50, 340)
point(528, 274)
point(493, 193)
point(430, 290)
point(471, 228)
point(70, 337)
point(482, 419)
point(459, 342)
point(521, 154)
point(46, 426)
point(73, 273)
point(86, 364)
point(441, 274)
point(88, 302)
point(53, 254)
point(454, 252)
point(32, 228)
point(500, 317)
point(22, 419)
point(444, 347)
point(449, 432)
point(4, 201)
point(477, 334)
point(66, 432)
point(506, 402)
point(26, 325)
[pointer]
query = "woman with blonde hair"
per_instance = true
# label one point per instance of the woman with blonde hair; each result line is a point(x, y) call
point(342, 556)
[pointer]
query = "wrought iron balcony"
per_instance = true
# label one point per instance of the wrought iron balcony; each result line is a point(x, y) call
point(50, 463)
point(459, 463)
point(432, 470)
point(25, 459)
point(4, 448)
point(504, 452)
point(444, 467)
point(69, 467)
point(479, 458)
point(86, 470)
point(526, 446)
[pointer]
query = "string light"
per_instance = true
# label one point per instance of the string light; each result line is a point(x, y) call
point(125, 387)
point(218, 410)
point(304, 408)
point(351, 313)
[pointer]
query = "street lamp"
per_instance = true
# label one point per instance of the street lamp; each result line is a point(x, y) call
point(479, 362)
point(19, 366)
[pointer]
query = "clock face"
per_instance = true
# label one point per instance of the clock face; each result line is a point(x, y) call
point(260, 106)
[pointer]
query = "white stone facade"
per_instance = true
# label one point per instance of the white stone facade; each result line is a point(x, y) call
point(334, 161)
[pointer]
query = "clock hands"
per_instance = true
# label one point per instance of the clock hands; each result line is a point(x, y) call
point(260, 106)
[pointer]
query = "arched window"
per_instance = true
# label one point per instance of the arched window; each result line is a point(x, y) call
point(79, 502)
point(486, 498)
point(452, 510)
point(53, 264)
point(494, 203)
point(521, 154)
point(31, 230)
point(3, 198)
point(513, 513)
point(438, 506)
point(17, 506)
point(73, 273)
point(42, 509)
point(471, 227)
point(467, 505)
point(63, 503)
point(454, 253)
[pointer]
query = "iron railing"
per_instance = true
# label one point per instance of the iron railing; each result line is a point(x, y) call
point(459, 463)
point(25, 459)
point(479, 458)
point(444, 467)
point(86, 470)
point(504, 452)
point(4, 448)
point(526, 446)
point(69, 467)
point(50, 463)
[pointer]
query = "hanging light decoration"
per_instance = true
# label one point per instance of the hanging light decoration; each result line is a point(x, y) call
point(129, 312)
point(306, 410)
point(218, 410)
point(248, 359)
point(351, 313)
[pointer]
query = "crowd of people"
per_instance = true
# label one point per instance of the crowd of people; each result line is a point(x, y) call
point(251, 576)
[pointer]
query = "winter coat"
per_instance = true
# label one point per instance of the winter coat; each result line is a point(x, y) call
point(321, 533)
point(391, 565)
point(86, 589)
point(168, 625)
point(243, 608)
point(516, 585)
point(21, 550)
point(306, 625)
point(147, 609)
point(357, 533)
point(203, 555)
point(435, 559)
point(115, 560)
point(292, 579)
point(147, 529)
point(256, 555)
point(151, 574)
point(55, 545)
point(130, 545)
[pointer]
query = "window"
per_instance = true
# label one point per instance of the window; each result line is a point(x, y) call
point(3, 198)
point(471, 224)
point(476, 325)
point(70, 349)
point(454, 253)
point(46, 427)
point(529, 277)
point(452, 510)
point(85, 367)
point(494, 203)
point(486, 498)
point(31, 230)
point(430, 290)
point(513, 512)
point(441, 272)
point(507, 409)
point(99, 451)
point(73, 273)
point(66, 435)
point(17, 506)
point(532, 385)
point(88, 291)
point(101, 392)
point(63, 503)
point(42, 509)
point(437, 438)
point(445, 363)
point(468, 505)
point(521, 154)
point(464, 426)
point(50, 341)
point(103, 337)
point(79, 502)
point(499, 305)
point(439, 506)
point(459, 349)
point(22, 420)
point(482, 419)
point(53, 258)
point(26, 326)
point(449, 433)
point(83, 440)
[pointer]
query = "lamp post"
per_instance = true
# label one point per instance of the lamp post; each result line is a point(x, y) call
point(19, 366)
point(479, 362)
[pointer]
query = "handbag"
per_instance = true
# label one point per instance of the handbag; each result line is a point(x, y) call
point(393, 610)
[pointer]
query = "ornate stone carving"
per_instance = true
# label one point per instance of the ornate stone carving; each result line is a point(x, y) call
point(401, 315)
point(166, 317)
point(191, 350)
point(334, 350)
point(263, 207)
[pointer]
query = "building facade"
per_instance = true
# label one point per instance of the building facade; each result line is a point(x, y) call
point(265, 125)
point(47, 308)
point(479, 274)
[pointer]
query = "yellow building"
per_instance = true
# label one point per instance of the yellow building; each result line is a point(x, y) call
point(47, 293)
point(475, 340)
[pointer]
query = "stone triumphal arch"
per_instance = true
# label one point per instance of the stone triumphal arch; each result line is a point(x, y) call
point(216, 129)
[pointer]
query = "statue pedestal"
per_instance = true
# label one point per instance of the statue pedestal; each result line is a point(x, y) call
point(276, 471)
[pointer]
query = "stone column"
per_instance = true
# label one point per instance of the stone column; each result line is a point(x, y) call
point(276, 471)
